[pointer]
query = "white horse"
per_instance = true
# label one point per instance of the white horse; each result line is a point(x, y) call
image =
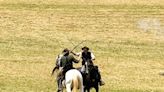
point(74, 81)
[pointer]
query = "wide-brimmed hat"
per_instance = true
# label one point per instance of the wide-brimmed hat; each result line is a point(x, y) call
point(85, 47)
point(65, 50)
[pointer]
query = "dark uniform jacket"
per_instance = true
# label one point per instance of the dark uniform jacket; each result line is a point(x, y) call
point(67, 62)
point(86, 57)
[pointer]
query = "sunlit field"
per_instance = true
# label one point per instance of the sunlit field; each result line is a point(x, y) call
point(127, 38)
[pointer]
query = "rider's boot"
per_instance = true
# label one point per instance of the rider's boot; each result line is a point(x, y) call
point(101, 83)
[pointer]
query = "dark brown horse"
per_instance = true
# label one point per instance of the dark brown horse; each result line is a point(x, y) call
point(91, 80)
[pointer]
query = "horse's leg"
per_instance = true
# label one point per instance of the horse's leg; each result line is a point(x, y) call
point(60, 86)
point(80, 80)
point(82, 88)
point(68, 84)
point(88, 90)
point(68, 87)
point(85, 89)
point(97, 88)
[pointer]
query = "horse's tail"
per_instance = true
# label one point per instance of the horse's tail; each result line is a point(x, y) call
point(78, 84)
point(75, 84)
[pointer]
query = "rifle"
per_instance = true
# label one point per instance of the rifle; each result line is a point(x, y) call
point(54, 70)
point(56, 67)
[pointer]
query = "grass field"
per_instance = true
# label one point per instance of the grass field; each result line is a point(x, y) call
point(126, 36)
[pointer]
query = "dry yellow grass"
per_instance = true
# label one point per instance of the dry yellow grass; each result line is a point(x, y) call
point(129, 56)
point(86, 2)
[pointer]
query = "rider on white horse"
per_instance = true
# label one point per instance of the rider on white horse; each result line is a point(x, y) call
point(66, 63)
point(89, 57)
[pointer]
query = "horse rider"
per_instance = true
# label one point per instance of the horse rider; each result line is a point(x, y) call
point(57, 63)
point(88, 57)
point(66, 63)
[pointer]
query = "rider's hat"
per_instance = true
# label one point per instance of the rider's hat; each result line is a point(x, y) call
point(66, 50)
point(85, 47)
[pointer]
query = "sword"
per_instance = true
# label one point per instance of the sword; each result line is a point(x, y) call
point(77, 45)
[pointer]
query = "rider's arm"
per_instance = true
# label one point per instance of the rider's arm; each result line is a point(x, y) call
point(76, 54)
point(92, 56)
point(75, 60)
point(58, 59)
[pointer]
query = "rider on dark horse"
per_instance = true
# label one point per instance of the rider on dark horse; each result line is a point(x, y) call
point(66, 63)
point(88, 57)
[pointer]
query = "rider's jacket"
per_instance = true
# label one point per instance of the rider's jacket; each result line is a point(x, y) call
point(67, 62)
point(58, 59)
point(80, 55)
point(88, 56)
